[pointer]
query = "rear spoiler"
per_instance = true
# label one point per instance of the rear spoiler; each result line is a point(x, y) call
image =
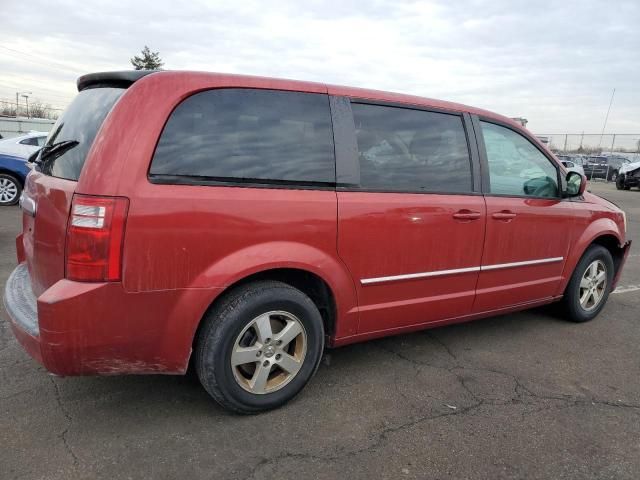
point(122, 79)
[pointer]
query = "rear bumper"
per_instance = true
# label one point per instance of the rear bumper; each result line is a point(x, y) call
point(21, 306)
point(20, 302)
point(76, 328)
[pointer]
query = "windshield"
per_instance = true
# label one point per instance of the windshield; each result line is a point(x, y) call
point(65, 151)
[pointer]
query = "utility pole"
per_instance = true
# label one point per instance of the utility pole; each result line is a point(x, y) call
point(18, 101)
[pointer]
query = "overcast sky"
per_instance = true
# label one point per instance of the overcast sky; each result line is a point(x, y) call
point(555, 63)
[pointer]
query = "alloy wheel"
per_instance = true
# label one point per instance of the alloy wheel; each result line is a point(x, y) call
point(8, 190)
point(593, 285)
point(269, 352)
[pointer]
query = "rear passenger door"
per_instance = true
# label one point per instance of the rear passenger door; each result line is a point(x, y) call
point(411, 218)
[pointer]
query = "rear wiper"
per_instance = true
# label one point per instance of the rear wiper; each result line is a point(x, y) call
point(58, 147)
point(33, 158)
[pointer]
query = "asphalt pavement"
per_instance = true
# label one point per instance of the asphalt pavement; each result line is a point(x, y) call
point(524, 395)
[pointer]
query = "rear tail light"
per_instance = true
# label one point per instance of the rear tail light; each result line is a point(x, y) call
point(95, 233)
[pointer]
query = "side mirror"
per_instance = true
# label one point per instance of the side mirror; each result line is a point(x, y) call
point(576, 184)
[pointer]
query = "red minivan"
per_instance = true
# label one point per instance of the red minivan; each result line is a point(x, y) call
point(246, 223)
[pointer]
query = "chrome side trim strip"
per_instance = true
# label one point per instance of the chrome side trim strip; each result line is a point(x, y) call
point(410, 276)
point(521, 264)
point(438, 273)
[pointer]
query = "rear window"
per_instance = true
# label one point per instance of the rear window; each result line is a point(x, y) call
point(598, 160)
point(65, 151)
point(251, 136)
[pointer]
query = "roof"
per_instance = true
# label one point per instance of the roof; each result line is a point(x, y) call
point(127, 78)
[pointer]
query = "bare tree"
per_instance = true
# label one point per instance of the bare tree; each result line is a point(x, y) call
point(8, 109)
point(37, 109)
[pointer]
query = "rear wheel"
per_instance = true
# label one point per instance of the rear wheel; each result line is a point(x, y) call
point(10, 189)
point(590, 285)
point(259, 346)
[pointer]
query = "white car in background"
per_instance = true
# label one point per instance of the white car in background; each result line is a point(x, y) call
point(24, 145)
point(571, 164)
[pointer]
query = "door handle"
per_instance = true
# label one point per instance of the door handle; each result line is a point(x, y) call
point(466, 215)
point(504, 215)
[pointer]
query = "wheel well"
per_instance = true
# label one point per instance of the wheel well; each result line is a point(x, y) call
point(309, 283)
point(13, 174)
point(611, 243)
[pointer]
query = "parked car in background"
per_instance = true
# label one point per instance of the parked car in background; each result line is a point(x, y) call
point(24, 145)
point(245, 223)
point(13, 171)
point(606, 167)
point(572, 164)
point(628, 176)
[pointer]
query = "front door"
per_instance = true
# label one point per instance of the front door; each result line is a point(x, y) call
point(411, 232)
point(528, 225)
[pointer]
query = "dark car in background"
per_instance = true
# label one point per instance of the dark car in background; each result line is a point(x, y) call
point(601, 166)
point(13, 171)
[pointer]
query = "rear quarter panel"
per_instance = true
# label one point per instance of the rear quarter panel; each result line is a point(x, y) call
point(203, 237)
point(182, 237)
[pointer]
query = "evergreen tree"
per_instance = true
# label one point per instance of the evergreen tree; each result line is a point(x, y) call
point(147, 61)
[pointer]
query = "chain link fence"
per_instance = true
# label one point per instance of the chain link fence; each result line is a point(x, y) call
point(593, 144)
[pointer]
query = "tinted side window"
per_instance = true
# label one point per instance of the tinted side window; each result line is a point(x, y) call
point(516, 166)
point(249, 135)
point(411, 150)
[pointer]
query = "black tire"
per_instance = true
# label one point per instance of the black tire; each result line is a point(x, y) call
point(9, 181)
point(226, 321)
point(571, 300)
point(620, 182)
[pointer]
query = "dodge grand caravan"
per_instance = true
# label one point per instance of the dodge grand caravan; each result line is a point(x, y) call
point(243, 224)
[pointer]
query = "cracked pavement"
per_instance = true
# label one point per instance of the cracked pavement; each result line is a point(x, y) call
point(525, 395)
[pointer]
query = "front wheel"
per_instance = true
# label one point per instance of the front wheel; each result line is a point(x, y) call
point(10, 189)
point(590, 285)
point(259, 346)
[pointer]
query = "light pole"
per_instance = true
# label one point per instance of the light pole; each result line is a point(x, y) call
point(26, 99)
point(18, 100)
